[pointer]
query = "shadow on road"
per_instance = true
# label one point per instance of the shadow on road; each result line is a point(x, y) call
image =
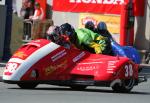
point(85, 90)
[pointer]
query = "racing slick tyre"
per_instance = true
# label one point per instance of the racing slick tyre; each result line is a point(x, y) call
point(125, 87)
point(27, 85)
point(78, 87)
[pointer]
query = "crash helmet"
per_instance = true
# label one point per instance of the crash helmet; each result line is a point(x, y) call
point(101, 26)
point(53, 33)
point(67, 29)
point(90, 25)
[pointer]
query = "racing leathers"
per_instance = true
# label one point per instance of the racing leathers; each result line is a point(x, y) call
point(93, 42)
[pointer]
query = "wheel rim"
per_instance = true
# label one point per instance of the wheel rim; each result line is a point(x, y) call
point(128, 84)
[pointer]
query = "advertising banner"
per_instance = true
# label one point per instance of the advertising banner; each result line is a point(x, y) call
point(97, 6)
point(112, 21)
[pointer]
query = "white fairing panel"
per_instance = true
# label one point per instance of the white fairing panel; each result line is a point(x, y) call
point(28, 62)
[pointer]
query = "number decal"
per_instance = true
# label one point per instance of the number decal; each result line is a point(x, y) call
point(128, 70)
point(11, 67)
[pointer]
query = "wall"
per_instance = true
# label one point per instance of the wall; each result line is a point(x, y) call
point(2, 28)
point(142, 29)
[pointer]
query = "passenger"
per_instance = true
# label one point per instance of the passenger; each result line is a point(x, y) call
point(90, 41)
point(102, 30)
point(90, 25)
point(84, 39)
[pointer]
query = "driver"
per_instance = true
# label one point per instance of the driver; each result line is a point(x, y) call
point(54, 34)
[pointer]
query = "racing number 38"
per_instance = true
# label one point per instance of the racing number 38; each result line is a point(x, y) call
point(128, 70)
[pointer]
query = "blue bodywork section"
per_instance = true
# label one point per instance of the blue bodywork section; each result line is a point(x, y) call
point(126, 51)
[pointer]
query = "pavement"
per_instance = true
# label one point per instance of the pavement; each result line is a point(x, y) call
point(2, 66)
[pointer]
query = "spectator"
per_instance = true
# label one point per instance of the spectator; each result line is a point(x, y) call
point(27, 9)
point(39, 13)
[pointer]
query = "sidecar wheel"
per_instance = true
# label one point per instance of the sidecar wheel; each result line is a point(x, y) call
point(27, 85)
point(125, 87)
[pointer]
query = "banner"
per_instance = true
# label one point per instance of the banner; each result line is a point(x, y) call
point(93, 6)
point(97, 6)
point(112, 21)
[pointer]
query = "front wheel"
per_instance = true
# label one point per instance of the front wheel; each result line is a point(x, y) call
point(125, 87)
point(27, 85)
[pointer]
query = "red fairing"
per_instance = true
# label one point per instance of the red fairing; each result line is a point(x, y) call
point(65, 64)
point(27, 49)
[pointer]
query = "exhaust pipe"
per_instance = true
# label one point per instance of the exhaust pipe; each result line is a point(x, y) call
point(142, 79)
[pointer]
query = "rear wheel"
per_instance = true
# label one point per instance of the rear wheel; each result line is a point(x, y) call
point(78, 87)
point(27, 85)
point(125, 87)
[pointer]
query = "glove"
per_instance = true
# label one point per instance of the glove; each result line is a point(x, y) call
point(97, 47)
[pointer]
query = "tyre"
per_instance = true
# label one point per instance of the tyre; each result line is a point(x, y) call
point(147, 58)
point(78, 87)
point(125, 87)
point(27, 85)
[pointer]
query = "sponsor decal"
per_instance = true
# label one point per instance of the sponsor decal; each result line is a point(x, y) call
point(86, 19)
point(111, 66)
point(20, 54)
point(112, 21)
point(98, 6)
point(52, 68)
point(78, 57)
point(86, 68)
point(98, 1)
point(59, 55)
point(92, 6)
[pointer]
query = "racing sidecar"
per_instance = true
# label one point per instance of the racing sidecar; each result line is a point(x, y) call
point(44, 62)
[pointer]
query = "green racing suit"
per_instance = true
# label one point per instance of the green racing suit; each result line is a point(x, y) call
point(87, 38)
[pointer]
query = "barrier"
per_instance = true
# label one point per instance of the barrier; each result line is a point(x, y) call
point(36, 29)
